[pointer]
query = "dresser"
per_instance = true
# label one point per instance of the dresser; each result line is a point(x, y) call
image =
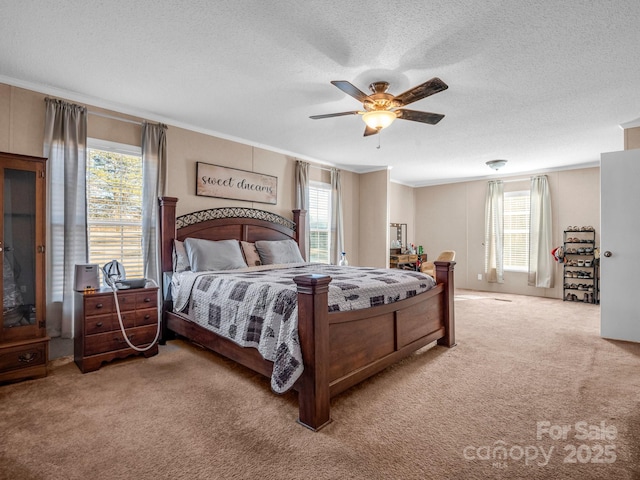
point(97, 335)
point(24, 343)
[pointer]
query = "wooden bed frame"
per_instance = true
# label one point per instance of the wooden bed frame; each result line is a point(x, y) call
point(339, 349)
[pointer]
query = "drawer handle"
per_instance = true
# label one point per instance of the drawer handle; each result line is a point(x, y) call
point(147, 300)
point(99, 324)
point(147, 316)
point(121, 340)
point(99, 305)
point(27, 357)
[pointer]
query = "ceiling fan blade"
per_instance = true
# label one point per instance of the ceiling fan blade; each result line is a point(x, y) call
point(350, 89)
point(429, 87)
point(370, 131)
point(328, 115)
point(424, 117)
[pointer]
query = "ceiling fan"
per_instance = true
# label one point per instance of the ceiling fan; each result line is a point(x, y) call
point(382, 108)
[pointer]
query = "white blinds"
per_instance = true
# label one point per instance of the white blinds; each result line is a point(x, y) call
point(320, 221)
point(516, 230)
point(114, 209)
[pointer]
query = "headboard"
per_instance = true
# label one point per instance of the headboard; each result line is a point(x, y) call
point(246, 224)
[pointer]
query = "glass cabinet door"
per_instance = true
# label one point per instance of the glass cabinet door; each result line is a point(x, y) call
point(18, 253)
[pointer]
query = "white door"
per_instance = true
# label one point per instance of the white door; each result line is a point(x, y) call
point(620, 245)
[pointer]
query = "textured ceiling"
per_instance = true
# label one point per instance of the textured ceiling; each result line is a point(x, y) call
point(543, 84)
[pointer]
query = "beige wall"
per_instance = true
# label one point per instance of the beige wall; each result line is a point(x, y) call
point(350, 183)
point(21, 121)
point(439, 218)
point(374, 219)
point(402, 209)
point(441, 223)
point(185, 148)
point(22, 115)
point(452, 217)
point(631, 138)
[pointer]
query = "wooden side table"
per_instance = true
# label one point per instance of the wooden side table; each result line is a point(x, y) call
point(97, 334)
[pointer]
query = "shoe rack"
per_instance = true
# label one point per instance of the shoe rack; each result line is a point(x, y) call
point(581, 262)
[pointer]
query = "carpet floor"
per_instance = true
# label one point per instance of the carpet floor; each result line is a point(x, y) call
point(531, 391)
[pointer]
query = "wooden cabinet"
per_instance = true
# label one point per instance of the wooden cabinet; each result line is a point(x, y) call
point(24, 345)
point(97, 335)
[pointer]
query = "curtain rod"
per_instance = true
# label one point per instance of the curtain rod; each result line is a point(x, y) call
point(113, 117)
point(518, 180)
point(320, 168)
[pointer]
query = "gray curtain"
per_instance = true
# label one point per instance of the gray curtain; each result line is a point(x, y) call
point(65, 145)
point(337, 227)
point(541, 266)
point(154, 165)
point(494, 232)
point(302, 200)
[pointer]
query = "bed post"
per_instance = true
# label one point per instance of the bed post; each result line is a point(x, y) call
point(444, 274)
point(167, 231)
point(300, 219)
point(313, 331)
point(167, 217)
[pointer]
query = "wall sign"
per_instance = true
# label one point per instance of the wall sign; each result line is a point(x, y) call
point(234, 184)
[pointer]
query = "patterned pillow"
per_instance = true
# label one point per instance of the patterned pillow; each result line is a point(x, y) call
point(251, 255)
point(180, 257)
point(278, 251)
point(205, 255)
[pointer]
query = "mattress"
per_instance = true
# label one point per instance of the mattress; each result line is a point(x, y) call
point(257, 306)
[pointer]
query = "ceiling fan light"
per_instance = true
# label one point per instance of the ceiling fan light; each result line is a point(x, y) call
point(379, 119)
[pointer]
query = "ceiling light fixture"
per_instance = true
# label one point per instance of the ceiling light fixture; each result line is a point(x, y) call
point(378, 119)
point(496, 164)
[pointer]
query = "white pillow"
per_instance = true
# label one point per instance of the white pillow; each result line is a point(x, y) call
point(180, 257)
point(278, 251)
point(214, 255)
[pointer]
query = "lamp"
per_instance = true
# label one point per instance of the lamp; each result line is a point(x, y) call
point(378, 119)
point(496, 164)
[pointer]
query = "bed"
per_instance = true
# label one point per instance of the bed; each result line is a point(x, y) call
point(339, 348)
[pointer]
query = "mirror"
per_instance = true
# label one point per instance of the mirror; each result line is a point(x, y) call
point(398, 236)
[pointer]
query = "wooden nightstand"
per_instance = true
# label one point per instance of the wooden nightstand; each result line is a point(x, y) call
point(97, 334)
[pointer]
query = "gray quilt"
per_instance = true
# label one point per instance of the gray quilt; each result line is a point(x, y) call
point(257, 306)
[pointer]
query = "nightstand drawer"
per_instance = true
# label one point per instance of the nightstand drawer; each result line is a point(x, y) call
point(106, 323)
point(147, 299)
point(148, 316)
point(96, 305)
point(98, 324)
point(110, 341)
point(99, 304)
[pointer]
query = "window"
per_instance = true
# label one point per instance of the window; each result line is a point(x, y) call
point(114, 205)
point(516, 231)
point(320, 222)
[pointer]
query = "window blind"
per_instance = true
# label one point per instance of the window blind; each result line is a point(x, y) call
point(114, 209)
point(319, 222)
point(516, 230)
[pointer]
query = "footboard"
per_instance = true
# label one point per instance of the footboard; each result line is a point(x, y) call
point(342, 349)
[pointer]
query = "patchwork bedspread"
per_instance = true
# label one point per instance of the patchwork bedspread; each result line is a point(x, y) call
point(257, 306)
